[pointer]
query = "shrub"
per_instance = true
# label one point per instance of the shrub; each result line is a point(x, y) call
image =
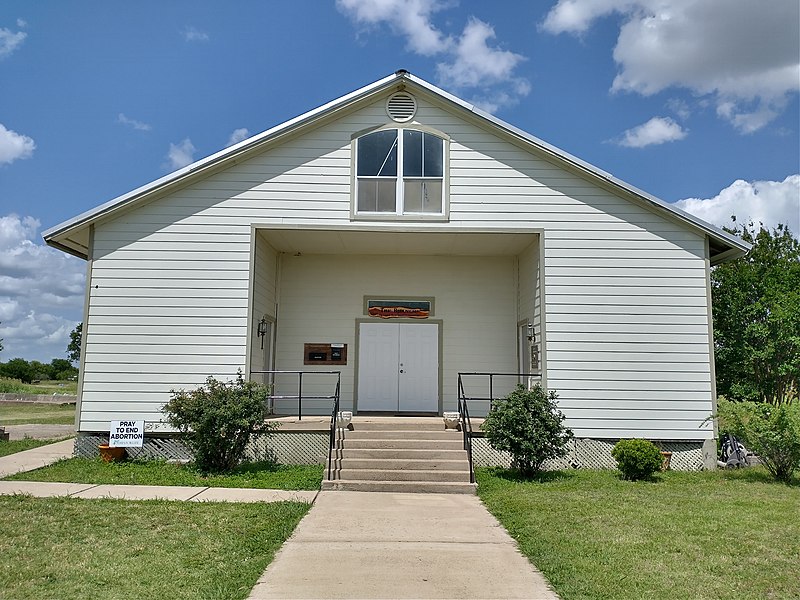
point(637, 459)
point(529, 426)
point(219, 419)
point(772, 432)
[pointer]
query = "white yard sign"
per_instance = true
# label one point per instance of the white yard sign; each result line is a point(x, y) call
point(126, 434)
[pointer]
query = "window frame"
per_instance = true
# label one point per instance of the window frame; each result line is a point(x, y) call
point(398, 214)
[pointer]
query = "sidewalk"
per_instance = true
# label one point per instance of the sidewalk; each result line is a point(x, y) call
point(29, 460)
point(386, 545)
point(42, 489)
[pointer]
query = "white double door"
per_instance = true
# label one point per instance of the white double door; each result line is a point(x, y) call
point(398, 367)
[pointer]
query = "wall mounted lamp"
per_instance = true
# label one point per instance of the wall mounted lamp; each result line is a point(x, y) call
point(531, 335)
point(262, 330)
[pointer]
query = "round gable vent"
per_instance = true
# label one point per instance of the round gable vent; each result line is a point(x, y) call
point(401, 107)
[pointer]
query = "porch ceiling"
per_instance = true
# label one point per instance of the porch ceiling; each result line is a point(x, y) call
point(307, 241)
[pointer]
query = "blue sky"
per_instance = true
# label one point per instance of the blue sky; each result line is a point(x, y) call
point(694, 101)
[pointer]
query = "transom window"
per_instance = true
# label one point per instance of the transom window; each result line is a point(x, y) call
point(400, 171)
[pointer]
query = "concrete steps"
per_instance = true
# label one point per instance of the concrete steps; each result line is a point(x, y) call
point(416, 487)
point(401, 456)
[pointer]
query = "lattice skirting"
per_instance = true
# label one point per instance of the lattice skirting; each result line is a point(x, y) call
point(286, 448)
point(593, 454)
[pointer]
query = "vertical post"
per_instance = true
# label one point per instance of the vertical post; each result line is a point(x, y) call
point(300, 396)
point(491, 390)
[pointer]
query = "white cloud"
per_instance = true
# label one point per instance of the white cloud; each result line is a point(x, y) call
point(767, 202)
point(743, 55)
point(409, 18)
point(192, 34)
point(41, 293)
point(10, 41)
point(679, 107)
point(14, 146)
point(468, 63)
point(22, 23)
point(180, 154)
point(475, 62)
point(137, 125)
point(237, 136)
point(657, 130)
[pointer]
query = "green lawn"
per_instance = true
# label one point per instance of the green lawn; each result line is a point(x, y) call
point(15, 386)
point(718, 534)
point(12, 447)
point(16, 413)
point(72, 548)
point(156, 472)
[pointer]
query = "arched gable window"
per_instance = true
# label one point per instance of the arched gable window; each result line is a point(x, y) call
point(400, 171)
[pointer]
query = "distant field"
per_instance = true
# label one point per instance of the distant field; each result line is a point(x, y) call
point(18, 413)
point(15, 386)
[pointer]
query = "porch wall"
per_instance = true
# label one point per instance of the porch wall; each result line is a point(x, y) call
point(322, 296)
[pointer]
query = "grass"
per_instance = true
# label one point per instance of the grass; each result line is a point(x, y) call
point(72, 548)
point(716, 534)
point(15, 386)
point(15, 413)
point(263, 475)
point(14, 446)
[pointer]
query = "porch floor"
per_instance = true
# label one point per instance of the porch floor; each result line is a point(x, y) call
point(320, 423)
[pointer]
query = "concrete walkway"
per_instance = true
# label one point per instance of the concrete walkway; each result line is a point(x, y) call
point(42, 489)
point(385, 545)
point(29, 460)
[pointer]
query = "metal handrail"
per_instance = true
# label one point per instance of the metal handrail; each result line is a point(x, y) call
point(333, 439)
point(466, 426)
point(463, 407)
point(299, 396)
point(491, 398)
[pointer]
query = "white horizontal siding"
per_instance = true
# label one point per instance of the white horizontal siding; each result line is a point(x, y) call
point(625, 315)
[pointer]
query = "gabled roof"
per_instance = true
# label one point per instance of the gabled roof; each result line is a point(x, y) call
point(69, 235)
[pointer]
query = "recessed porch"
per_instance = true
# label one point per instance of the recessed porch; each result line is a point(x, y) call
point(312, 288)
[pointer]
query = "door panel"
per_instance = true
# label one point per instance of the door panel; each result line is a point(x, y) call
point(419, 367)
point(378, 359)
point(398, 367)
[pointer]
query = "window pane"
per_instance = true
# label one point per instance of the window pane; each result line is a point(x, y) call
point(377, 195)
point(387, 189)
point(377, 153)
point(412, 153)
point(422, 196)
point(412, 196)
point(434, 156)
point(367, 195)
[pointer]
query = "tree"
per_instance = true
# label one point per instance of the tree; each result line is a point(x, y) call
point(528, 425)
point(61, 368)
point(19, 368)
point(74, 346)
point(756, 305)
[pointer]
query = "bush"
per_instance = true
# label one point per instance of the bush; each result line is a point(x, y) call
point(637, 459)
point(772, 432)
point(529, 426)
point(219, 419)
